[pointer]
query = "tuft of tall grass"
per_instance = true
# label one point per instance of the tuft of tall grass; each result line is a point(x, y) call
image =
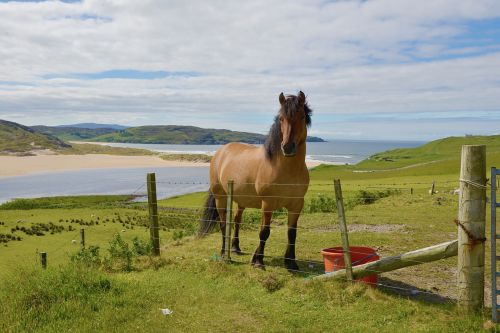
point(33, 298)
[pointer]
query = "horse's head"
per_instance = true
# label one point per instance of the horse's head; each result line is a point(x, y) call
point(294, 117)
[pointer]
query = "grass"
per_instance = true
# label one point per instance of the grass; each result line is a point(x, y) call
point(86, 148)
point(206, 294)
point(187, 157)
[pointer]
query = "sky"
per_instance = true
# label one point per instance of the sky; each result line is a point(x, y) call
point(371, 70)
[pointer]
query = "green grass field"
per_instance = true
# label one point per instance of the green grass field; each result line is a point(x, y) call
point(101, 293)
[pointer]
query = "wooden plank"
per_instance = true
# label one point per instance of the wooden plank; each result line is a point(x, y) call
point(471, 231)
point(417, 257)
point(343, 229)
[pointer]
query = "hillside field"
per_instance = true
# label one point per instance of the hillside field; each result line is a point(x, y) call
point(118, 287)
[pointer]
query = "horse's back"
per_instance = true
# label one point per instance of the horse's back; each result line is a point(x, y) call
point(238, 162)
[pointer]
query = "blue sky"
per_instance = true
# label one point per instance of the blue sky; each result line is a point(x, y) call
point(380, 69)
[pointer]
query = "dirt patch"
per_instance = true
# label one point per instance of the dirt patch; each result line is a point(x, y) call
point(377, 228)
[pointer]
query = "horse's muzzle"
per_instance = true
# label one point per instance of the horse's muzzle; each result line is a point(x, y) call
point(289, 149)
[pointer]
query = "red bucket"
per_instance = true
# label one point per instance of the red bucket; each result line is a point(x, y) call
point(334, 260)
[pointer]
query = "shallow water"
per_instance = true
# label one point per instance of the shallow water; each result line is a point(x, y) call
point(170, 181)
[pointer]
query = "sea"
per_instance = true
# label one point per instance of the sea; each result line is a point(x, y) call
point(171, 181)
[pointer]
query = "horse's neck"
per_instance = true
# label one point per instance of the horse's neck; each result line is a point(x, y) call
point(294, 163)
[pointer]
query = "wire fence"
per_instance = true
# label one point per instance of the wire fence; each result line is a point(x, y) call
point(187, 217)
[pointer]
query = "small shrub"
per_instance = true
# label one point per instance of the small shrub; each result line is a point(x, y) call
point(363, 197)
point(88, 256)
point(178, 235)
point(321, 203)
point(120, 255)
point(141, 247)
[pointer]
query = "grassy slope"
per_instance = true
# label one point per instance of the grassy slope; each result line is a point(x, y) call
point(178, 135)
point(73, 133)
point(199, 289)
point(15, 138)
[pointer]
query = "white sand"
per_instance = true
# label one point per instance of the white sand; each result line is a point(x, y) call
point(24, 165)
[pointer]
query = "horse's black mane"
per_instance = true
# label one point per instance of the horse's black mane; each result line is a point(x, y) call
point(272, 145)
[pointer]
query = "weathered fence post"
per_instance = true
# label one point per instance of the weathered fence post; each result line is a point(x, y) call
point(471, 228)
point(229, 214)
point(43, 259)
point(493, 241)
point(153, 214)
point(82, 238)
point(343, 229)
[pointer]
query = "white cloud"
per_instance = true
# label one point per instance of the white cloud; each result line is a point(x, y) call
point(348, 56)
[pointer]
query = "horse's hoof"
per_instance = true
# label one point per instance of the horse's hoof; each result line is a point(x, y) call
point(236, 250)
point(259, 265)
point(291, 265)
point(258, 262)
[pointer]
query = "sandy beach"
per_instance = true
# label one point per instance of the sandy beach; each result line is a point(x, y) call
point(23, 165)
point(18, 166)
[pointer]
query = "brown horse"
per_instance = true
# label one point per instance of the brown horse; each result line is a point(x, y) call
point(269, 177)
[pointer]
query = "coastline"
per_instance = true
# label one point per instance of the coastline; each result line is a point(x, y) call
point(12, 166)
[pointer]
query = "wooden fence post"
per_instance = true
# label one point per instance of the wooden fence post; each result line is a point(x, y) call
point(229, 214)
point(153, 214)
point(43, 259)
point(82, 238)
point(343, 229)
point(471, 228)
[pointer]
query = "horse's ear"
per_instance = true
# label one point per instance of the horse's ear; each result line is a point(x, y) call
point(302, 98)
point(282, 99)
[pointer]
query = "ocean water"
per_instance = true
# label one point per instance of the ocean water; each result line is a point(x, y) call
point(171, 181)
point(334, 152)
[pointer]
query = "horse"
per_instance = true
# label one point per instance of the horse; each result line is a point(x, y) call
point(269, 177)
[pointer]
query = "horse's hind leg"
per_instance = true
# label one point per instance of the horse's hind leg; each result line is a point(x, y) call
point(235, 245)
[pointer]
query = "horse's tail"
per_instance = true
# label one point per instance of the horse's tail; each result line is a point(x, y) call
point(210, 216)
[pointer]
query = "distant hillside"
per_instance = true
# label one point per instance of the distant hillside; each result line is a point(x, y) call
point(16, 138)
point(437, 150)
point(95, 126)
point(73, 133)
point(171, 134)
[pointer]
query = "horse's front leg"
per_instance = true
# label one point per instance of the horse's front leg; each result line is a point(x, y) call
point(265, 230)
point(293, 217)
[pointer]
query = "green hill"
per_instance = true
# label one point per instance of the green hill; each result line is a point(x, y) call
point(73, 133)
point(16, 139)
point(442, 149)
point(172, 134)
point(169, 134)
point(434, 159)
